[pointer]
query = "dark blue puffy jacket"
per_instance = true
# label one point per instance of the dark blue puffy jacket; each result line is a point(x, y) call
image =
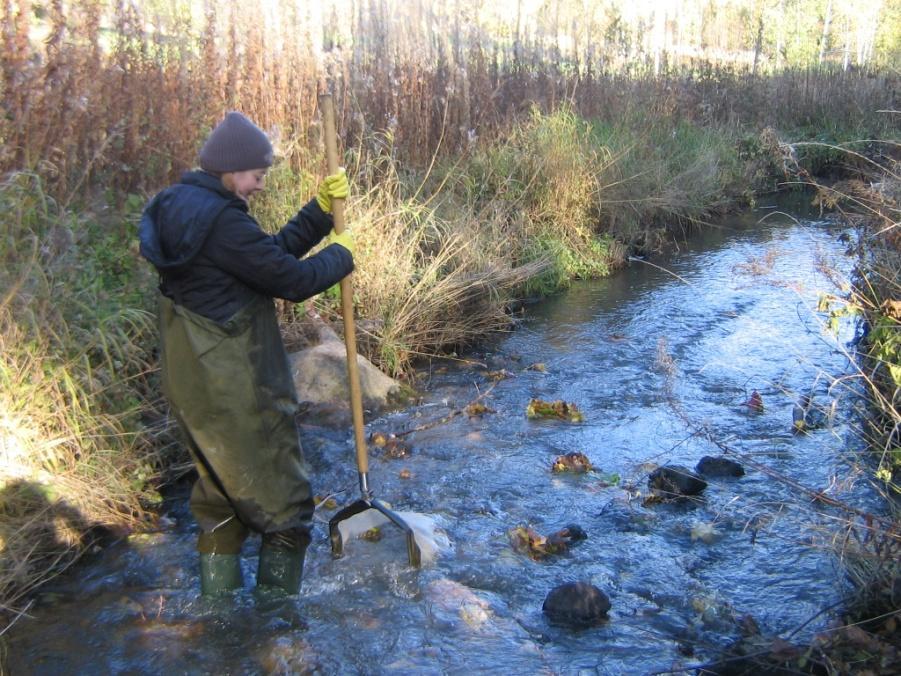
point(213, 257)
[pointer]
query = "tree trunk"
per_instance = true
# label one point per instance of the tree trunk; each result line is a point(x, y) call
point(659, 37)
point(827, 21)
point(780, 36)
point(758, 43)
point(516, 45)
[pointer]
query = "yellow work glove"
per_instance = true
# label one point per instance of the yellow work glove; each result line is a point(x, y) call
point(345, 239)
point(332, 187)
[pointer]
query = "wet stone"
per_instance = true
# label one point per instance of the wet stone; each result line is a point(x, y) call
point(572, 533)
point(624, 519)
point(719, 466)
point(576, 604)
point(675, 481)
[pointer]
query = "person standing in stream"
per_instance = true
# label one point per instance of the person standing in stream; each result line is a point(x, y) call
point(225, 371)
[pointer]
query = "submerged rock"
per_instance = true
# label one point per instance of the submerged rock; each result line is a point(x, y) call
point(576, 604)
point(807, 416)
point(675, 481)
point(389, 445)
point(454, 602)
point(288, 655)
point(706, 532)
point(623, 518)
point(570, 533)
point(719, 466)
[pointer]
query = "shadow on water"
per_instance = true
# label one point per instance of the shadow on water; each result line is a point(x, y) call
point(40, 536)
point(135, 606)
point(730, 313)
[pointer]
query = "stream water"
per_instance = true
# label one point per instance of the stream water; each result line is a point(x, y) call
point(651, 356)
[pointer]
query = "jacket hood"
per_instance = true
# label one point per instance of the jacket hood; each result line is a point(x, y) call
point(176, 223)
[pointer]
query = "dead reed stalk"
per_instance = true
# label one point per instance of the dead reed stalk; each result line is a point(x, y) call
point(111, 94)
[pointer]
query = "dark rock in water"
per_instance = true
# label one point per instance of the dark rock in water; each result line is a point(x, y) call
point(573, 532)
point(712, 466)
point(576, 604)
point(567, 536)
point(675, 481)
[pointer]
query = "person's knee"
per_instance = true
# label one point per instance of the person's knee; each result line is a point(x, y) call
point(290, 539)
point(226, 538)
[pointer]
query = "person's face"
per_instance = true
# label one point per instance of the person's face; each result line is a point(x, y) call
point(246, 183)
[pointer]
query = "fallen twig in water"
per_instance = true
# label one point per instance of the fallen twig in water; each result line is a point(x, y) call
point(450, 416)
point(19, 615)
point(819, 496)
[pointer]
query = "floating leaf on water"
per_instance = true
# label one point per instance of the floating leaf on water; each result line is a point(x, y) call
point(537, 366)
point(560, 410)
point(652, 500)
point(609, 480)
point(502, 374)
point(325, 502)
point(143, 538)
point(477, 409)
point(577, 463)
point(395, 448)
point(528, 541)
point(405, 474)
point(754, 402)
point(374, 534)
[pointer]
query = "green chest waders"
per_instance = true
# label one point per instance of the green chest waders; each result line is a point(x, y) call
point(230, 388)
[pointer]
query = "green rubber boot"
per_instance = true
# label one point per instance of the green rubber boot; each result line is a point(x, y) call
point(280, 568)
point(220, 573)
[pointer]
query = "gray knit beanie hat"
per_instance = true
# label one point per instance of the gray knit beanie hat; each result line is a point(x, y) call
point(236, 144)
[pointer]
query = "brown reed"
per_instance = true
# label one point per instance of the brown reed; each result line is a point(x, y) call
point(108, 94)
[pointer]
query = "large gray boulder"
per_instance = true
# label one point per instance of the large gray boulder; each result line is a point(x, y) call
point(320, 375)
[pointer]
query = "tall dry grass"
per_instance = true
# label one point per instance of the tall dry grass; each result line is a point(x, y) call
point(428, 281)
point(76, 456)
point(870, 199)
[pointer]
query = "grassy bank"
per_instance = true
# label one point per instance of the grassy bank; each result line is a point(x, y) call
point(76, 408)
point(867, 197)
